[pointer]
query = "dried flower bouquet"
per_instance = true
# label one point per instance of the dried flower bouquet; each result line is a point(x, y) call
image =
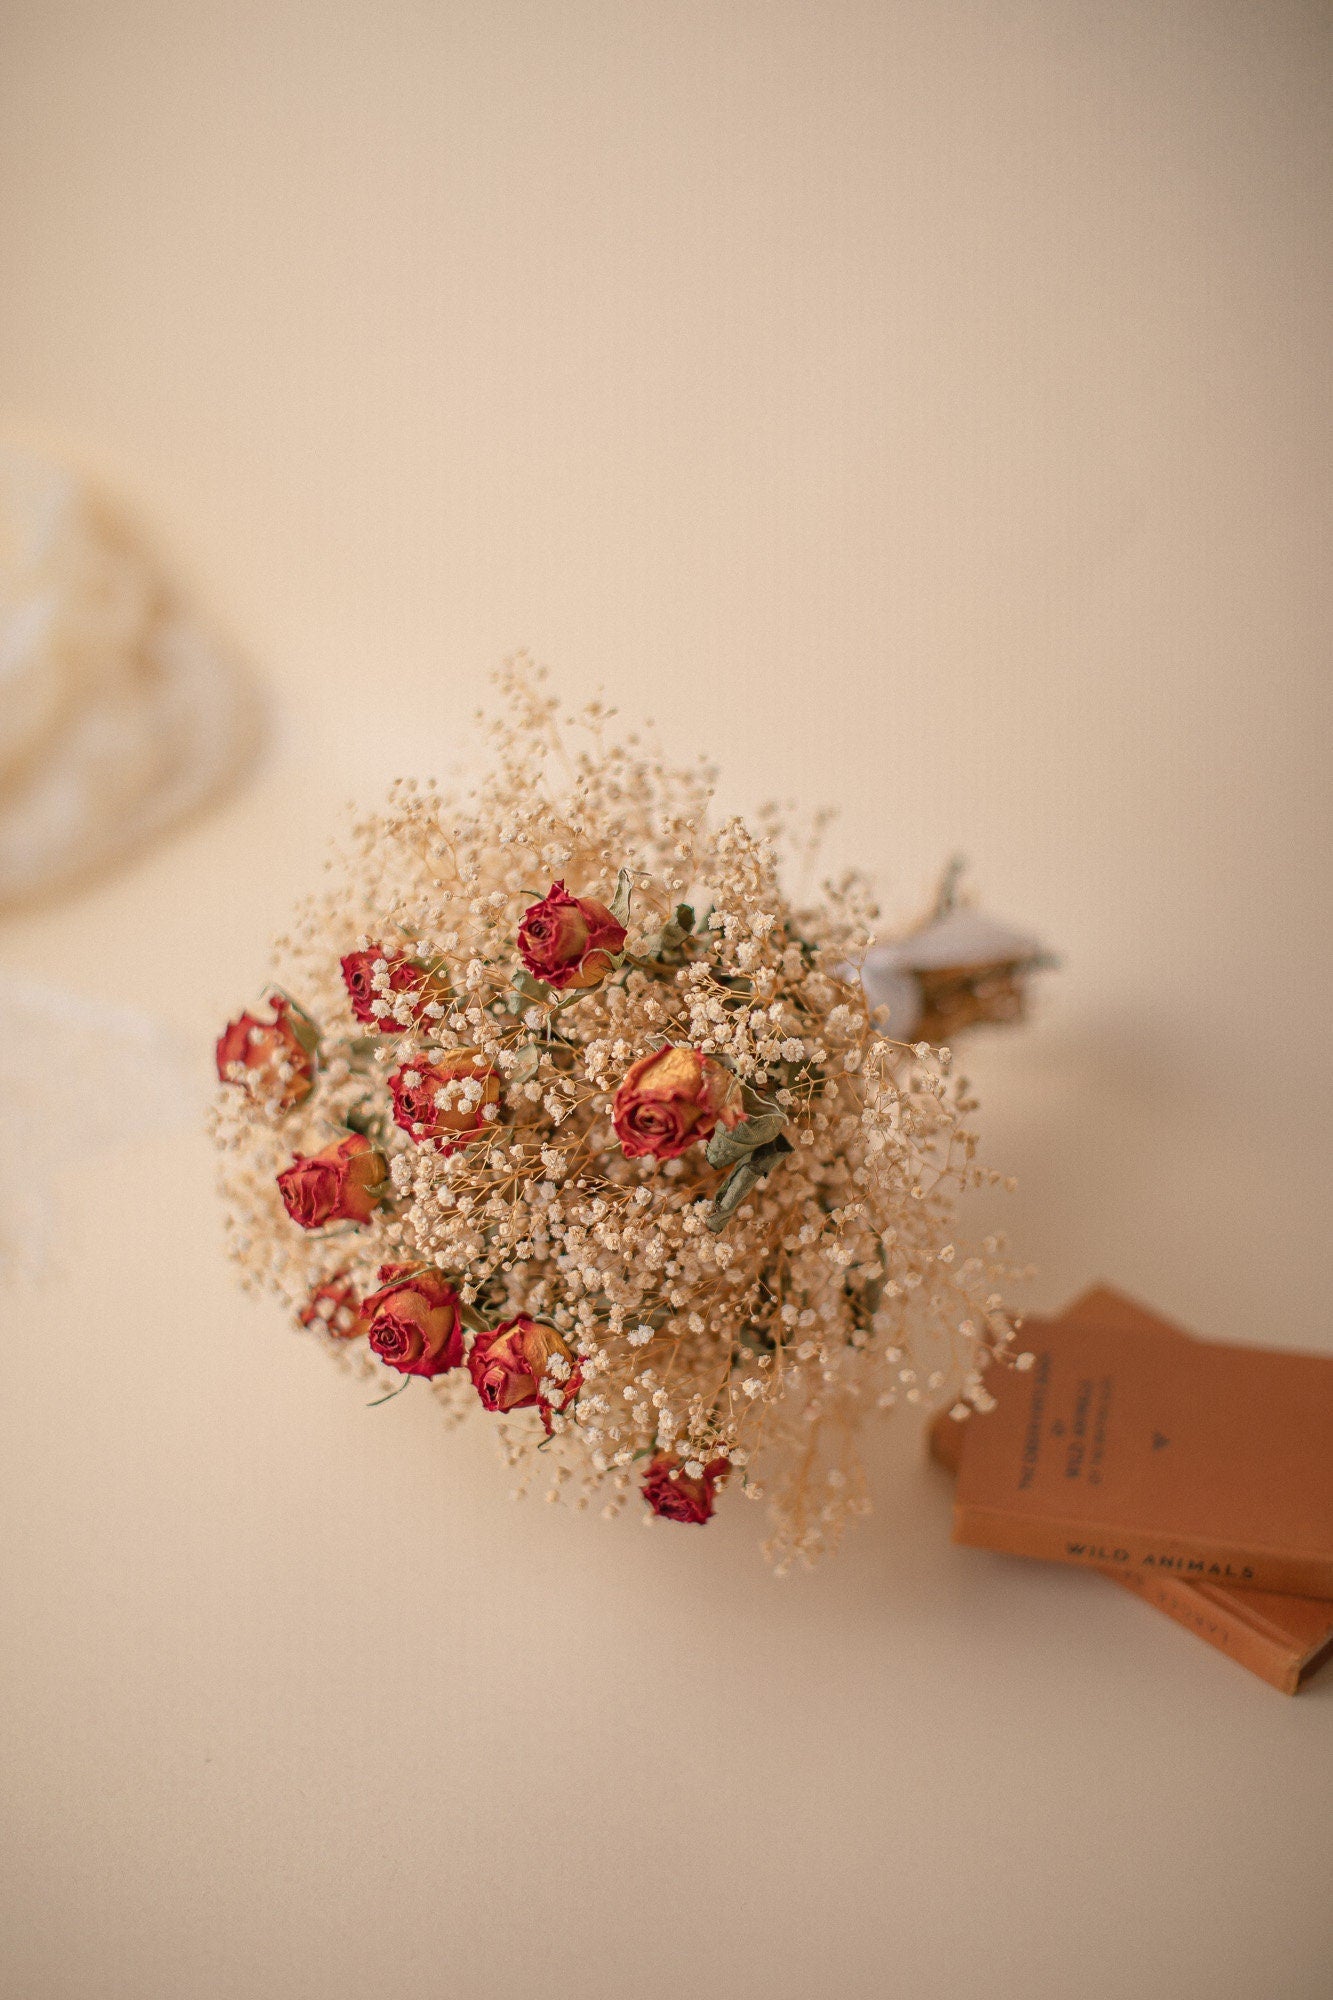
point(577, 1116)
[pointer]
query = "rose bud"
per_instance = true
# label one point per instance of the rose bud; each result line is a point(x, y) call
point(270, 1060)
point(446, 1100)
point(335, 1306)
point(523, 1363)
point(569, 941)
point(413, 1323)
point(341, 1184)
point(670, 1491)
point(671, 1099)
point(372, 977)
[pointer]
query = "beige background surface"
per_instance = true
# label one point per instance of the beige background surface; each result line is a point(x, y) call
point(923, 406)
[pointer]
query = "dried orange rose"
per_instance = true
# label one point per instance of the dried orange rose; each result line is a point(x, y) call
point(670, 1100)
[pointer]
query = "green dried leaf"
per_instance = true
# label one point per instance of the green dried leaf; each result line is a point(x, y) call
point(526, 1064)
point(746, 1174)
point(685, 916)
point(660, 944)
point(404, 1277)
point(304, 1029)
point(762, 1129)
point(406, 1383)
point(620, 901)
point(725, 1146)
point(731, 1194)
point(531, 989)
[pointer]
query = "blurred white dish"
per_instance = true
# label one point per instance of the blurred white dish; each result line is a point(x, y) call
point(118, 713)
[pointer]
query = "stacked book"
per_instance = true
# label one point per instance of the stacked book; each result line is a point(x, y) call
point(1197, 1474)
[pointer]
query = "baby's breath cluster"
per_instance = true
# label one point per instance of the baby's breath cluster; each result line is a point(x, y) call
point(563, 1106)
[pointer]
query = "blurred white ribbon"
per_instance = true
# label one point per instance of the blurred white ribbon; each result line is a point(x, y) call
point(960, 938)
point(953, 971)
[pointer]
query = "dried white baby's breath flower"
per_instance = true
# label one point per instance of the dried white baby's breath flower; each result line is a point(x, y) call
point(698, 1149)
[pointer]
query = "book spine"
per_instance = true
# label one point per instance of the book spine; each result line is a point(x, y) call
point(1194, 1562)
point(1313, 1661)
point(1265, 1654)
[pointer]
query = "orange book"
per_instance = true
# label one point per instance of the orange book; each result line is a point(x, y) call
point(1282, 1639)
point(1165, 1458)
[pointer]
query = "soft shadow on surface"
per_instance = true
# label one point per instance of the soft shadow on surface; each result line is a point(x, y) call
point(276, 1640)
point(1142, 1164)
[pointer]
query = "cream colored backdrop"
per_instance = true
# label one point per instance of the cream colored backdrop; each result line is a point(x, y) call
point(921, 406)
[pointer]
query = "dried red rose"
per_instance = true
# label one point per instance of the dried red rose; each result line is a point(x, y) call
point(670, 1100)
point(413, 1322)
point(341, 1184)
point(522, 1363)
point(672, 1493)
point(335, 1306)
point(446, 1100)
point(396, 973)
point(569, 941)
point(270, 1060)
